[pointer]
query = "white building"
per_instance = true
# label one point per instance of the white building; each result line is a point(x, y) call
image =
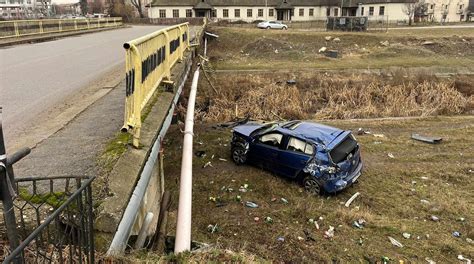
point(24, 9)
point(295, 10)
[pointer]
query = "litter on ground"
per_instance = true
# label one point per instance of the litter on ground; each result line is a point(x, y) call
point(395, 242)
point(348, 203)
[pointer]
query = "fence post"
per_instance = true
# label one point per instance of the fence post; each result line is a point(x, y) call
point(137, 97)
point(167, 56)
point(15, 26)
point(6, 197)
point(181, 44)
point(60, 26)
point(75, 24)
point(41, 27)
point(98, 22)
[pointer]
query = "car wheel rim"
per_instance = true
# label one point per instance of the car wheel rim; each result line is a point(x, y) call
point(239, 156)
point(311, 186)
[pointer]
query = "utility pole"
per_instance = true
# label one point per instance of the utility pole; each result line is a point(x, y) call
point(266, 10)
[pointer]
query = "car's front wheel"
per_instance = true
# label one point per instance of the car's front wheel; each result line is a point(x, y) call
point(268, 27)
point(284, 28)
point(239, 155)
point(311, 185)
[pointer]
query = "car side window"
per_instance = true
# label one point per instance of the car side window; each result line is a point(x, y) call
point(271, 139)
point(298, 145)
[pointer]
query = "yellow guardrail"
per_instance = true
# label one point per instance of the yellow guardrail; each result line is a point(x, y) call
point(148, 62)
point(19, 28)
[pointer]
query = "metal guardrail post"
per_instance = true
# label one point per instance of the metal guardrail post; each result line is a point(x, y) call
point(15, 26)
point(60, 26)
point(75, 24)
point(6, 196)
point(41, 27)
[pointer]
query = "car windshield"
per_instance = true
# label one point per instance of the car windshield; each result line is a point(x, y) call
point(264, 129)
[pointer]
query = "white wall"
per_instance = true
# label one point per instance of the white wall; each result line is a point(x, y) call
point(394, 11)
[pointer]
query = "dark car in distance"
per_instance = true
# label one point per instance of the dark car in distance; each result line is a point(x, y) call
point(320, 156)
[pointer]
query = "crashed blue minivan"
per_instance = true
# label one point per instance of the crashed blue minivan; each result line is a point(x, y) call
point(323, 158)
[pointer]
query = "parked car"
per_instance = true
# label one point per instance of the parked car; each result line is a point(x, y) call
point(272, 24)
point(319, 156)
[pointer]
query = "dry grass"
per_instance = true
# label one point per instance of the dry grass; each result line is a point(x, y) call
point(332, 96)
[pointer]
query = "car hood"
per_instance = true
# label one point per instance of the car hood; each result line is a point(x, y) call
point(247, 129)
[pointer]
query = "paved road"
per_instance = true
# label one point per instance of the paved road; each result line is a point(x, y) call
point(436, 27)
point(34, 78)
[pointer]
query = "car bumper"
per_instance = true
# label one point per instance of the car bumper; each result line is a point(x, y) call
point(336, 185)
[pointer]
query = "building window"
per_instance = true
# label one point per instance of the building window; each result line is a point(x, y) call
point(301, 12)
point(328, 11)
point(189, 13)
point(270, 12)
point(175, 12)
point(237, 12)
point(371, 11)
point(225, 13)
point(213, 13)
point(431, 6)
point(311, 12)
point(162, 13)
point(381, 10)
point(336, 11)
point(260, 12)
point(362, 11)
point(249, 12)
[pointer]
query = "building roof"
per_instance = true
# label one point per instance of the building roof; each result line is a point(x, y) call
point(272, 3)
point(202, 5)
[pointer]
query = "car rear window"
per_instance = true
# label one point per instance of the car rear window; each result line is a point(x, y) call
point(340, 152)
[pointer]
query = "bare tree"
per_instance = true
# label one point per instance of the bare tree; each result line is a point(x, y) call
point(119, 8)
point(98, 6)
point(139, 6)
point(84, 7)
point(410, 9)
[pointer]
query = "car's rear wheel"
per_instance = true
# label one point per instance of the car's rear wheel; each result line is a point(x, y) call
point(268, 27)
point(239, 155)
point(284, 28)
point(311, 185)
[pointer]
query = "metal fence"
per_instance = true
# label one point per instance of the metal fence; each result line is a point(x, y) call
point(148, 62)
point(47, 219)
point(18, 28)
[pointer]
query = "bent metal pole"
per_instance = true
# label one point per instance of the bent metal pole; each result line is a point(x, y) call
point(183, 227)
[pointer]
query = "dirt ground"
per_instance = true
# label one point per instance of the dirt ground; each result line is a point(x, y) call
point(392, 201)
point(413, 192)
point(445, 49)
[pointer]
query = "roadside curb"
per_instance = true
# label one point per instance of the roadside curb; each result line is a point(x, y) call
point(54, 36)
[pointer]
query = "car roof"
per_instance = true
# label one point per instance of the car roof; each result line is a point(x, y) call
point(311, 131)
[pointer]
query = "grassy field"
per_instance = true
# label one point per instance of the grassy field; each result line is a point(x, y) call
point(450, 50)
point(392, 190)
point(404, 184)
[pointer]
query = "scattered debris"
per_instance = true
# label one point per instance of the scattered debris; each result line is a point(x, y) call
point(291, 82)
point(212, 228)
point(434, 218)
point(221, 159)
point(384, 43)
point(200, 153)
point(323, 49)
point(300, 238)
point(406, 235)
point(251, 204)
point(359, 223)
point(462, 258)
point(379, 135)
point(283, 200)
point(281, 239)
point(351, 199)
point(427, 43)
point(430, 261)
point(332, 53)
point(276, 51)
point(273, 199)
point(470, 241)
point(390, 155)
point(212, 199)
point(424, 201)
point(268, 220)
point(328, 38)
point(456, 234)
point(329, 233)
point(256, 219)
point(461, 219)
point(361, 131)
point(336, 40)
point(244, 188)
point(395, 242)
point(238, 198)
point(208, 164)
point(385, 260)
point(308, 236)
point(431, 140)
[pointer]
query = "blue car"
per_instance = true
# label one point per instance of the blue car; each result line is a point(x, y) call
point(323, 158)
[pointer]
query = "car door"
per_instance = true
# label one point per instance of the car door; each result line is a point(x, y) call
point(294, 156)
point(273, 24)
point(265, 150)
